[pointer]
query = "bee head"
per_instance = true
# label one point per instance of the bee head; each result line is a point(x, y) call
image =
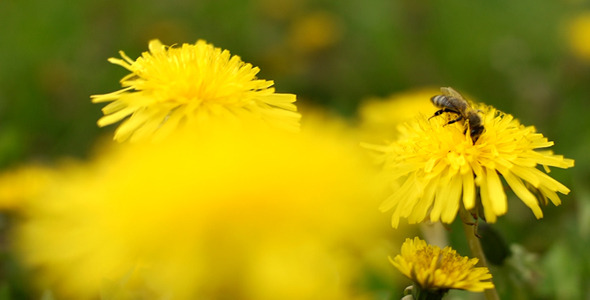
point(475, 132)
point(475, 126)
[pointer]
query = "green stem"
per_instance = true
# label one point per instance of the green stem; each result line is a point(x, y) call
point(476, 249)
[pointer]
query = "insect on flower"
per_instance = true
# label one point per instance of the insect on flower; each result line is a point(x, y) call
point(452, 102)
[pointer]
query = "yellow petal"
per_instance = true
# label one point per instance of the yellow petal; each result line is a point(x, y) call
point(468, 191)
point(424, 203)
point(486, 202)
point(523, 193)
point(452, 207)
point(115, 117)
point(497, 194)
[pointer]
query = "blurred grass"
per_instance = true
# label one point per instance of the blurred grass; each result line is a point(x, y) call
point(511, 54)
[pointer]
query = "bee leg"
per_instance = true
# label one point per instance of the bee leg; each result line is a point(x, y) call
point(441, 111)
point(455, 120)
point(437, 113)
point(476, 229)
point(474, 224)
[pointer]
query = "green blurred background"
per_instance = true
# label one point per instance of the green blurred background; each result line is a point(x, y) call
point(524, 57)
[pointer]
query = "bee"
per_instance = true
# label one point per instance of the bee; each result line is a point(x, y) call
point(452, 102)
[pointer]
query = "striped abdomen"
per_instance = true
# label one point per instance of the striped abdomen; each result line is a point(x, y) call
point(450, 103)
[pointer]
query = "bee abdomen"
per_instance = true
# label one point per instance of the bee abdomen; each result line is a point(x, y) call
point(440, 101)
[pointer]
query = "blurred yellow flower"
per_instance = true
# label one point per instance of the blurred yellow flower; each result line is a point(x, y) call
point(19, 185)
point(379, 118)
point(223, 214)
point(438, 168)
point(578, 34)
point(191, 84)
point(315, 31)
point(434, 269)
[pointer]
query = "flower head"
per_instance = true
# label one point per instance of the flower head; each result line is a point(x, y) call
point(435, 269)
point(436, 167)
point(191, 84)
point(258, 215)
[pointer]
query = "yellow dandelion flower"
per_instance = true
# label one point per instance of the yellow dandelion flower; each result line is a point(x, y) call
point(436, 167)
point(432, 268)
point(193, 218)
point(191, 84)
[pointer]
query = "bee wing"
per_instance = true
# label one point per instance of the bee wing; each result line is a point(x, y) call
point(449, 91)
